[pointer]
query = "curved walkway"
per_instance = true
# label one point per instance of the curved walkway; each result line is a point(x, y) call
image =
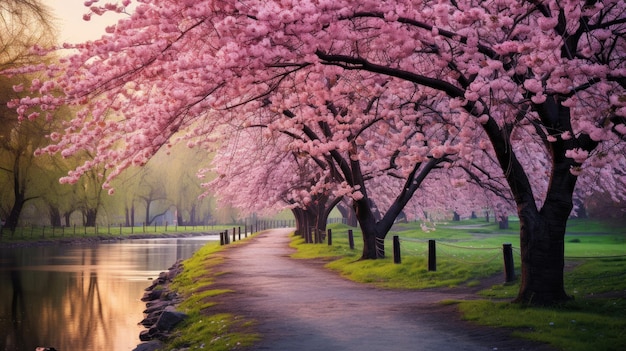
point(299, 305)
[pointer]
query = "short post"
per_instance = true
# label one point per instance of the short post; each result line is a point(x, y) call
point(234, 238)
point(396, 250)
point(509, 267)
point(432, 256)
point(351, 239)
point(330, 237)
point(239, 232)
point(222, 241)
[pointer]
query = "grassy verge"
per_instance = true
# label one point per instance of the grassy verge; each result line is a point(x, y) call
point(595, 319)
point(51, 234)
point(203, 330)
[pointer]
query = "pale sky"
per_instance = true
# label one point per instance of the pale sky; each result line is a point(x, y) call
point(74, 29)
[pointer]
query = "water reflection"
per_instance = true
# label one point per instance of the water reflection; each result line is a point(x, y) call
point(81, 297)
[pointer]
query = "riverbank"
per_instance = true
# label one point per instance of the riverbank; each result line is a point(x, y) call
point(99, 239)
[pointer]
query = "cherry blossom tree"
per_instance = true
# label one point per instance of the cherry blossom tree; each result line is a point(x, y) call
point(533, 72)
point(527, 79)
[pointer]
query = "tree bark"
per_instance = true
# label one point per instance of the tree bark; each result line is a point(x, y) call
point(55, 215)
point(90, 217)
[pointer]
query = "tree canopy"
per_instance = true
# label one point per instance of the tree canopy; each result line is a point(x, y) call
point(539, 85)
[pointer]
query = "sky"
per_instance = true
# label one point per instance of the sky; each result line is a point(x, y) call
point(73, 29)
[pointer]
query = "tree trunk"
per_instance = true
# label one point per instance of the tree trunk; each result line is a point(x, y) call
point(90, 217)
point(16, 210)
point(132, 215)
point(66, 218)
point(373, 243)
point(503, 223)
point(192, 215)
point(542, 246)
point(55, 215)
point(347, 212)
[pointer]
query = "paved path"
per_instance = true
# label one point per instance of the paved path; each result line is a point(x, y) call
point(301, 306)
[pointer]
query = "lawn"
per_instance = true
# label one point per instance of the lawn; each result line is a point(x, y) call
point(470, 251)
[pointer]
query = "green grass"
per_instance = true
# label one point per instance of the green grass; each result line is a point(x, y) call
point(595, 319)
point(203, 329)
point(31, 234)
point(576, 326)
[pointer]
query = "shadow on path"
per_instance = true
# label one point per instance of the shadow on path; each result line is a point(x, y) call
point(299, 305)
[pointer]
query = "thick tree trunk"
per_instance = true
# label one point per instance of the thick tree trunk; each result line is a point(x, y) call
point(542, 246)
point(373, 241)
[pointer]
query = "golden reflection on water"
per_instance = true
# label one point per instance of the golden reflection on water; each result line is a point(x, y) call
point(79, 298)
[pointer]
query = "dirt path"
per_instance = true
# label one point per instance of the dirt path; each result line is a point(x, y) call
point(301, 306)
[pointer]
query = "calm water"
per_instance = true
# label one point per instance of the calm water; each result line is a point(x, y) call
point(81, 297)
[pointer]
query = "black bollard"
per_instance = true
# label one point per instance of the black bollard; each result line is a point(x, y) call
point(509, 266)
point(396, 250)
point(351, 239)
point(432, 256)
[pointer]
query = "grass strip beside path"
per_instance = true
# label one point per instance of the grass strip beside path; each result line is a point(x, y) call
point(204, 330)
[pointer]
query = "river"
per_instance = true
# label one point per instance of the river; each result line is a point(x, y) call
point(81, 297)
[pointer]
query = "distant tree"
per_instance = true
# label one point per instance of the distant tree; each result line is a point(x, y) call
point(23, 23)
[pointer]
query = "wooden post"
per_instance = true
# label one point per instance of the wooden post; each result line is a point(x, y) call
point(396, 250)
point(234, 237)
point(509, 266)
point(432, 256)
point(351, 239)
point(239, 232)
point(330, 237)
point(222, 241)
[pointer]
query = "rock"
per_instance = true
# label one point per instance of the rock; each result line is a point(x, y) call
point(151, 345)
point(144, 335)
point(161, 315)
point(152, 295)
point(169, 319)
